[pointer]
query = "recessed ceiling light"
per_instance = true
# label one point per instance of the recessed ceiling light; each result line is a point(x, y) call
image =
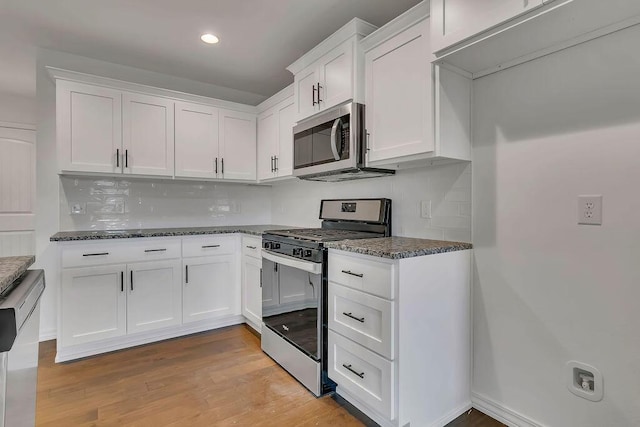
point(209, 38)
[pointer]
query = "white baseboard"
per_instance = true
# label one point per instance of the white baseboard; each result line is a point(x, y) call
point(452, 415)
point(501, 413)
point(48, 334)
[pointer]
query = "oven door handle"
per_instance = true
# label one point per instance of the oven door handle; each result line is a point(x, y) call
point(334, 140)
point(308, 266)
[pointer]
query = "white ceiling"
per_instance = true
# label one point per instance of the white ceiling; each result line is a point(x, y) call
point(258, 38)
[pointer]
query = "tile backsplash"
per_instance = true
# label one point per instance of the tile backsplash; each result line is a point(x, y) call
point(114, 203)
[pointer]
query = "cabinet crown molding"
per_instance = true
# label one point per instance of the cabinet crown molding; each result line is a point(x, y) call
point(275, 99)
point(411, 17)
point(75, 76)
point(355, 27)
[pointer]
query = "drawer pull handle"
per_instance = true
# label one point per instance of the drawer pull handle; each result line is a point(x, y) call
point(350, 315)
point(155, 250)
point(210, 246)
point(348, 367)
point(252, 247)
point(352, 274)
point(96, 254)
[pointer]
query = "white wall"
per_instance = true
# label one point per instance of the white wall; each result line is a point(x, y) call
point(546, 289)
point(147, 203)
point(447, 186)
point(17, 109)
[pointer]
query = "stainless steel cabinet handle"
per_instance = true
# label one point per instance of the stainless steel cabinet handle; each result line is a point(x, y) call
point(126, 158)
point(216, 161)
point(186, 274)
point(117, 157)
point(271, 163)
point(313, 94)
point(260, 277)
point(131, 279)
point(348, 367)
point(352, 274)
point(366, 145)
point(210, 246)
point(276, 163)
point(319, 87)
point(223, 166)
point(96, 254)
point(252, 247)
point(122, 281)
point(155, 250)
point(359, 319)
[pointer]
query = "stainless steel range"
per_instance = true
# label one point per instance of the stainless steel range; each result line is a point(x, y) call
point(294, 285)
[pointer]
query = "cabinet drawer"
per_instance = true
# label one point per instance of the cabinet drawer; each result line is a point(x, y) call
point(362, 373)
point(100, 253)
point(252, 246)
point(208, 245)
point(363, 318)
point(368, 275)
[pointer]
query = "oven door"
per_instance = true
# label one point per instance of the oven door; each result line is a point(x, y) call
point(326, 142)
point(291, 301)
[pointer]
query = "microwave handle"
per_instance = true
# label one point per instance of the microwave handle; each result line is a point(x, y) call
point(334, 140)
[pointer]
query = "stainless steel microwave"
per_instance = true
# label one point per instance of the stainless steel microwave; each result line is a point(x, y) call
point(332, 146)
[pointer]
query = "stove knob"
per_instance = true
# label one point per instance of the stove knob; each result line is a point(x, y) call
point(307, 253)
point(266, 245)
point(297, 252)
point(275, 246)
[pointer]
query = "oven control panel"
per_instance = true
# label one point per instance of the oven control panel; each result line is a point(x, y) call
point(294, 250)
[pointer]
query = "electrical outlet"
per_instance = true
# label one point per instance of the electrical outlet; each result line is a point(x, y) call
point(425, 209)
point(590, 210)
point(78, 208)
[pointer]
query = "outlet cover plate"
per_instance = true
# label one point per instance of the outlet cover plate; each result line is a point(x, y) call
point(425, 209)
point(590, 210)
point(594, 395)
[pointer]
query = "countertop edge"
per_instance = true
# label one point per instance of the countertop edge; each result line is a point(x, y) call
point(16, 272)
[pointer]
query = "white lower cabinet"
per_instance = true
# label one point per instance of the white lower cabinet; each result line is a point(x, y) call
point(153, 295)
point(400, 335)
point(252, 281)
point(209, 290)
point(118, 294)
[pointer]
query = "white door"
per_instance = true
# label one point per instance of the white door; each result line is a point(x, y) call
point(237, 145)
point(93, 304)
point(305, 92)
point(196, 140)
point(336, 76)
point(252, 289)
point(154, 295)
point(148, 134)
point(209, 288)
point(267, 143)
point(88, 128)
point(286, 120)
point(17, 191)
point(398, 96)
point(456, 20)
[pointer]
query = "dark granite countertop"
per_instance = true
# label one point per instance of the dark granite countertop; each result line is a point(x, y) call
point(398, 247)
point(256, 230)
point(12, 267)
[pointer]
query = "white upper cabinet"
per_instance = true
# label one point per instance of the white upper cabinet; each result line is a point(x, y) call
point(275, 140)
point(89, 128)
point(237, 146)
point(196, 140)
point(457, 20)
point(148, 134)
point(328, 74)
point(416, 112)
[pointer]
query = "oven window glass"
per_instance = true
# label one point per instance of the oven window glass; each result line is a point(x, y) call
point(291, 300)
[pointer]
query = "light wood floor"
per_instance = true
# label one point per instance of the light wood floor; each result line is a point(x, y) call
point(218, 378)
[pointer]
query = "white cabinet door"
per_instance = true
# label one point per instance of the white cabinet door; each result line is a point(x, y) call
point(237, 145)
point(93, 304)
point(305, 92)
point(154, 295)
point(89, 128)
point(252, 290)
point(398, 96)
point(196, 140)
point(457, 20)
point(267, 143)
point(148, 134)
point(336, 76)
point(209, 289)
point(286, 120)
point(270, 299)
